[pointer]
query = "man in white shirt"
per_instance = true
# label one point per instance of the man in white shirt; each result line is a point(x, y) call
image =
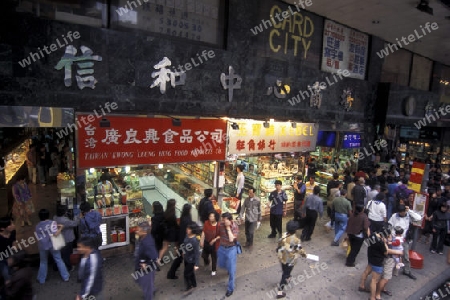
point(377, 213)
point(403, 218)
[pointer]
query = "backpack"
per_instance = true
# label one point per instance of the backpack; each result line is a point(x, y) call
point(401, 195)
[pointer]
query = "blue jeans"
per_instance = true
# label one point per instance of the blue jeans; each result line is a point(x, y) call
point(43, 257)
point(147, 284)
point(227, 258)
point(340, 225)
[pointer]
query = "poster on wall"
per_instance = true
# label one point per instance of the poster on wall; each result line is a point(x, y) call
point(198, 20)
point(126, 140)
point(344, 49)
point(252, 137)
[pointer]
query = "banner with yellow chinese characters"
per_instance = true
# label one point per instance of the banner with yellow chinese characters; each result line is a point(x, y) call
point(253, 138)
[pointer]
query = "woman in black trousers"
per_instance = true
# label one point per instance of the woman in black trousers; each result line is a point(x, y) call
point(357, 229)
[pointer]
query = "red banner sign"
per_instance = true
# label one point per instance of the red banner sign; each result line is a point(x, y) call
point(143, 141)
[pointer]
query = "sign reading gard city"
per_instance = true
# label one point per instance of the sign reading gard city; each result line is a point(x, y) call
point(253, 137)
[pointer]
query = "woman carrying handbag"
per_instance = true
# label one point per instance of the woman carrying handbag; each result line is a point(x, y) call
point(45, 230)
point(23, 205)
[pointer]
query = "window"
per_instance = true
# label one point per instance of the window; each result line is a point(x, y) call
point(197, 20)
point(85, 12)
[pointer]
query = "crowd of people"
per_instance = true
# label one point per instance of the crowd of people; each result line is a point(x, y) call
point(374, 206)
point(371, 206)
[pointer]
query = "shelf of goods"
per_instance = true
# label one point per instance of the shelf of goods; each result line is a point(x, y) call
point(137, 213)
point(204, 172)
point(15, 160)
point(115, 231)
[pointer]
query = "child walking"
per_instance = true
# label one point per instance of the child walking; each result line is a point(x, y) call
point(289, 249)
point(191, 257)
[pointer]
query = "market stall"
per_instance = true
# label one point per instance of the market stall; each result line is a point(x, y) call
point(269, 152)
point(148, 159)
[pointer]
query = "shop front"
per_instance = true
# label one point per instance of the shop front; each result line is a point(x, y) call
point(147, 159)
point(422, 145)
point(268, 151)
point(335, 152)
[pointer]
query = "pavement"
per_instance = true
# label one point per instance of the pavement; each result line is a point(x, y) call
point(258, 273)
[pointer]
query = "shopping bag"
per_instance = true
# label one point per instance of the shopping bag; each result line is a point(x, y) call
point(344, 243)
point(348, 249)
point(58, 241)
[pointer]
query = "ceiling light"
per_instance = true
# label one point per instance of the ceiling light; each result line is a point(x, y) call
point(266, 124)
point(235, 126)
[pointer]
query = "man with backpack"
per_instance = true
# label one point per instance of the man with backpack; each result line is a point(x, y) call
point(90, 224)
point(401, 194)
point(205, 206)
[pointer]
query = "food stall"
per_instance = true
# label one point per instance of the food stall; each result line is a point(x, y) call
point(149, 159)
point(268, 151)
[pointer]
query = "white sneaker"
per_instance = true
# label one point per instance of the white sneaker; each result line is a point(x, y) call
point(213, 273)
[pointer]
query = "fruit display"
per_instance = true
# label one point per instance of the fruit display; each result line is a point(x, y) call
point(65, 180)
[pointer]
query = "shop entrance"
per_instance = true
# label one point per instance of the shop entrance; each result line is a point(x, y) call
point(35, 146)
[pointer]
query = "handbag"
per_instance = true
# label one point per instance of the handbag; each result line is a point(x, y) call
point(239, 248)
point(366, 210)
point(58, 241)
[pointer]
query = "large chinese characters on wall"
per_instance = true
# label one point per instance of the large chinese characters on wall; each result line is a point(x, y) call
point(252, 137)
point(144, 141)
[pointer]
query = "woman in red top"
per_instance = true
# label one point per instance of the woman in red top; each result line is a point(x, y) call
point(209, 240)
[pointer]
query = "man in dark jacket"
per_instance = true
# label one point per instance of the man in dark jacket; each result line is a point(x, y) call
point(359, 193)
point(206, 206)
point(145, 260)
point(90, 224)
point(90, 271)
